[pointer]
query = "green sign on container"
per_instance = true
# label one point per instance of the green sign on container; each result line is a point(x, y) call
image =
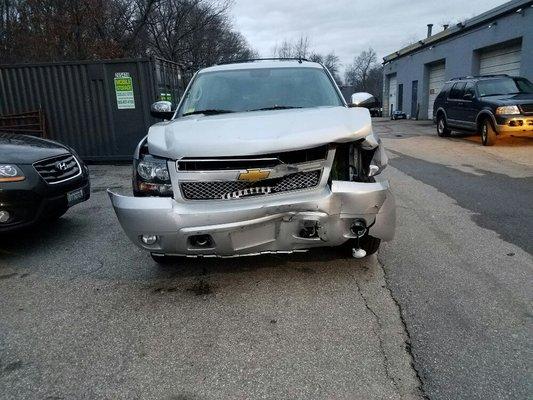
point(124, 91)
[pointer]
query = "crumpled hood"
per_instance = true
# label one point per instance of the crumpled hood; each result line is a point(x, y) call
point(257, 132)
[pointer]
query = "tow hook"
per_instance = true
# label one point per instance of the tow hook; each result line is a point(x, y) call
point(358, 229)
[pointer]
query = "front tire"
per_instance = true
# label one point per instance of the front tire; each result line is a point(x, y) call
point(369, 244)
point(442, 127)
point(488, 134)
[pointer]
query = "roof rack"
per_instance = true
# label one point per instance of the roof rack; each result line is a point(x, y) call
point(299, 59)
point(478, 76)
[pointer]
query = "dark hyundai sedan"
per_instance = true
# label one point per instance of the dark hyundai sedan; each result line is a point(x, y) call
point(39, 180)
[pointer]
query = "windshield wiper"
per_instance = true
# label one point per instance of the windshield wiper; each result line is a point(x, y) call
point(208, 112)
point(275, 108)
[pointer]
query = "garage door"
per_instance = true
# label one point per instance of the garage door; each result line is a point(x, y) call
point(501, 61)
point(436, 82)
point(392, 94)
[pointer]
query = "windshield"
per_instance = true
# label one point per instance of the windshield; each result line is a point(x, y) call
point(504, 86)
point(259, 89)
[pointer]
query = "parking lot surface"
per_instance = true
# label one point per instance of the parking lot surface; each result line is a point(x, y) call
point(85, 314)
point(444, 311)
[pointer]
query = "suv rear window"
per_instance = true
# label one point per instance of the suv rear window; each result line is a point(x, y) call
point(457, 90)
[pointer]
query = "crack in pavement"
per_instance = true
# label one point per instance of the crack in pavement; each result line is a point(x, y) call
point(377, 333)
point(391, 332)
point(408, 347)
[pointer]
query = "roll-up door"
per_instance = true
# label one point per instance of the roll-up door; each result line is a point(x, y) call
point(436, 82)
point(505, 60)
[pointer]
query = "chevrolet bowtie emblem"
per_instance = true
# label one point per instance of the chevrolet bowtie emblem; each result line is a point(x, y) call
point(254, 175)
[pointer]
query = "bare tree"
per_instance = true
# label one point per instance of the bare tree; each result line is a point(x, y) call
point(358, 71)
point(195, 33)
point(331, 62)
point(296, 49)
point(365, 74)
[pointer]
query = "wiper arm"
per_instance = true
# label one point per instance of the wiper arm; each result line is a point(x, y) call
point(275, 108)
point(208, 112)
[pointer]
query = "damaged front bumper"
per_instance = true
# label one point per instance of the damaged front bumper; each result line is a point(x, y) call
point(258, 225)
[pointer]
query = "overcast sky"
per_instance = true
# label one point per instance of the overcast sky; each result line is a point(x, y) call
point(348, 26)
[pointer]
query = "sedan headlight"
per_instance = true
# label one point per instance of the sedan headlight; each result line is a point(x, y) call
point(507, 110)
point(152, 177)
point(10, 173)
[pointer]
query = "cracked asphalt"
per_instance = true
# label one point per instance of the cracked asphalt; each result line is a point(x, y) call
point(443, 312)
point(461, 266)
point(84, 314)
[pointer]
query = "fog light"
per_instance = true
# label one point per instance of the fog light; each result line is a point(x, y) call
point(149, 239)
point(4, 216)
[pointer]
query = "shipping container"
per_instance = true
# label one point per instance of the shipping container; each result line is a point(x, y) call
point(99, 108)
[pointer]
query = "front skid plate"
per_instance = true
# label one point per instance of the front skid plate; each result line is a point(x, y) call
point(258, 225)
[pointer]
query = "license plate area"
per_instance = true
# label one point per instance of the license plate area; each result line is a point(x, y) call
point(75, 197)
point(254, 236)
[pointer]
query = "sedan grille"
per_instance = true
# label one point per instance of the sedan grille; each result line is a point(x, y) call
point(58, 169)
point(217, 190)
point(527, 108)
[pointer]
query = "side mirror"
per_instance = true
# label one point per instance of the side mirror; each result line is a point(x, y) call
point(363, 99)
point(162, 110)
point(468, 96)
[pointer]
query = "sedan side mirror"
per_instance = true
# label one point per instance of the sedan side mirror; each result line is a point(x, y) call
point(468, 96)
point(162, 110)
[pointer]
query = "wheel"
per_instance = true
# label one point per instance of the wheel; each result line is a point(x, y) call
point(442, 126)
point(488, 134)
point(163, 260)
point(368, 243)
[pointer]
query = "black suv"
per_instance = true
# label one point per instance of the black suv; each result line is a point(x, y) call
point(492, 105)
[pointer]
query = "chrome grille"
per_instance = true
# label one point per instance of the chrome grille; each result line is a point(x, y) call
point(58, 169)
point(217, 190)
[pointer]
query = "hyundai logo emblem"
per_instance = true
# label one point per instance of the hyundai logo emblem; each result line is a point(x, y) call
point(61, 166)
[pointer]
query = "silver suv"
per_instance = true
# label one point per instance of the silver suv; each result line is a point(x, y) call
point(259, 157)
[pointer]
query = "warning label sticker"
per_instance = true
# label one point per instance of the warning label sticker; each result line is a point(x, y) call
point(124, 91)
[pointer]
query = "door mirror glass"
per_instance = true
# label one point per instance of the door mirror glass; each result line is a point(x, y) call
point(162, 110)
point(468, 96)
point(363, 99)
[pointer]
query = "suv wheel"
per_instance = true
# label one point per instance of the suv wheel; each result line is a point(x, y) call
point(368, 243)
point(488, 134)
point(442, 127)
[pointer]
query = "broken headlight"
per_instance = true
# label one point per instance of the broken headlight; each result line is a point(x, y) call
point(151, 177)
point(359, 161)
point(378, 162)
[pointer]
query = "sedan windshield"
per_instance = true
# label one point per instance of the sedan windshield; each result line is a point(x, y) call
point(259, 89)
point(494, 87)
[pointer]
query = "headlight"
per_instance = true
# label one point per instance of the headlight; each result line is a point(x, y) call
point(379, 161)
point(507, 110)
point(152, 177)
point(10, 173)
point(151, 171)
